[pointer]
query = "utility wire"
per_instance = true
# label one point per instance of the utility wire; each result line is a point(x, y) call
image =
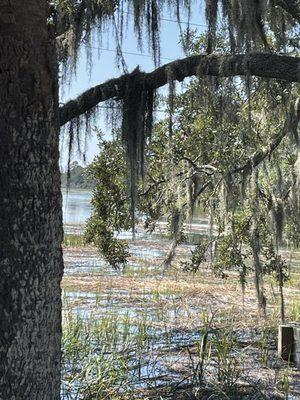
point(175, 21)
point(184, 22)
point(127, 52)
point(120, 108)
point(143, 54)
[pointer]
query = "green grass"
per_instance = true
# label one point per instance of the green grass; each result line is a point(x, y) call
point(294, 311)
point(100, 356)
point(73, 240)
point(106, 352)
point(107, 349)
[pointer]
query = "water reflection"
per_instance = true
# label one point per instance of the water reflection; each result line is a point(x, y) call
point(77, 209)
point(76, 206)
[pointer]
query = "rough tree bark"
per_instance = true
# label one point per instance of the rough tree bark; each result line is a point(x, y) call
point(31, 263)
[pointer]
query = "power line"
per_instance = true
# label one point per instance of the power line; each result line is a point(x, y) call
point(127, 52)
point(143, 54)
point(176, 21)
point(184, 22)
point(120, 108)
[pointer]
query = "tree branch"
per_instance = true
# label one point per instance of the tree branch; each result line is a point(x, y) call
point(291, 123)
point(263, 65)
point(291, 7)
point(63, 22)
point(207, 169)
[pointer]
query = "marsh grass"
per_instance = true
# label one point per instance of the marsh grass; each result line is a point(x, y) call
point(129, 334)
point(73, 240)
point(294, 311)
point(101, 355)
point(109, 354)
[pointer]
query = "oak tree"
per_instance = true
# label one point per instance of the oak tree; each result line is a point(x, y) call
point(35, 35)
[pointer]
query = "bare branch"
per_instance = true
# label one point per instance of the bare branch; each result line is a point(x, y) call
point(207, 169)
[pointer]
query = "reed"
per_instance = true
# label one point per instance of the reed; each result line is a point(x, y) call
point(73, 240)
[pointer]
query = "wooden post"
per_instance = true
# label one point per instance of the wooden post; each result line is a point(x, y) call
point(286, 342)
point(296, 349)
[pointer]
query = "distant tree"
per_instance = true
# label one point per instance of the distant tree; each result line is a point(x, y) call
point(76, 177)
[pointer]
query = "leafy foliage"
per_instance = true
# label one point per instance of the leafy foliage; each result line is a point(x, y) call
point(110, 204)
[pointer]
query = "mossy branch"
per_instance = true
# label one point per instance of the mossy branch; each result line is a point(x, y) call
point(290, 125)
point(263, 65)
point(291, 7)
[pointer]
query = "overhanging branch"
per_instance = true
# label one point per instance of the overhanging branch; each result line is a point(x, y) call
point(63, 21)
point(291, 7)
point(262, 65)
point(290, 125)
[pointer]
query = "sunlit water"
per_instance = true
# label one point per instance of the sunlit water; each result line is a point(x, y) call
point(147, 251)
point(76, 207)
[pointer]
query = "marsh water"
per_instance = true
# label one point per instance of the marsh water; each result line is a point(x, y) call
point(141, 305)
point(76, 208)
point(155, 315)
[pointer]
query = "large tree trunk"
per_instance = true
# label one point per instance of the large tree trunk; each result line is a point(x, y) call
point(31, 263)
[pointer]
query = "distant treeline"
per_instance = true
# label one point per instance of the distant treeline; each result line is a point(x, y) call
point(78, 179)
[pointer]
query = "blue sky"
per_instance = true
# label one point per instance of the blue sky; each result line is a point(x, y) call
point(104, 65)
